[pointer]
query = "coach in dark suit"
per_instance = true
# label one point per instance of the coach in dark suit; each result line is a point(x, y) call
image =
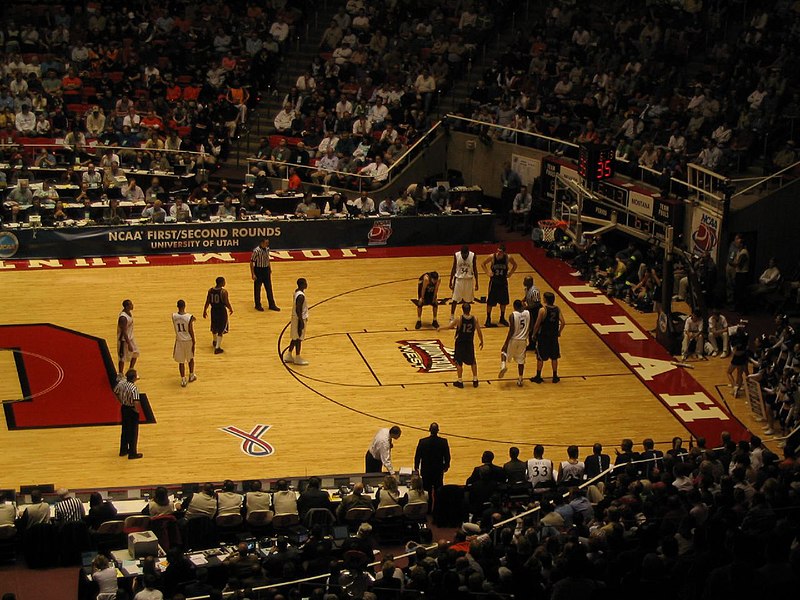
point(597, 462)
point(313, 497)
point(487, 469)
point(432, 459)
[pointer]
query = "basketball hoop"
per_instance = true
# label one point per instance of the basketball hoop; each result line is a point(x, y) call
point(548, 227)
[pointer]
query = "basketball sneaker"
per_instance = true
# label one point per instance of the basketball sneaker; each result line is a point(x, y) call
point(300, 361)
point(418, 325)
point(474, 383)
point(458, 384)
point(184, 381)
point(192, 377)
point(519, 382)
point(503, 369)
point(556, 378)
point(435, 324)
point(537, 379)
point(218, 350)
point(503, 322)
point(287, 357)
point(489, 324)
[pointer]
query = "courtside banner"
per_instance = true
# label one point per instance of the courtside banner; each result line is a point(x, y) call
point(241, 236)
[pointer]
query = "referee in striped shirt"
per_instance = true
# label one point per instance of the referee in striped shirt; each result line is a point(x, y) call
point(128, 395)
point(68, 509)
point(261, 274)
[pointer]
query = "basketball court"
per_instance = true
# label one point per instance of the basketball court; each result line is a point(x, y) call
point(250, 416)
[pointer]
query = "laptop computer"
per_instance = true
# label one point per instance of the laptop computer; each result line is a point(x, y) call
point(87, 558)
point(340, 534)
point(313, 213)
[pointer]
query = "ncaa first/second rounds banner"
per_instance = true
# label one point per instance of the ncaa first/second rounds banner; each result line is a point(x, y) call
point(241, 236)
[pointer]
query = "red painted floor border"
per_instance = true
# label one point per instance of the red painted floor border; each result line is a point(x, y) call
point(688, 401)
point(66, 377)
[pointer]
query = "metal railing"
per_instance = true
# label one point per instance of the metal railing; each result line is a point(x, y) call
point(541, 141)
point(397, 166)
point(759, 181)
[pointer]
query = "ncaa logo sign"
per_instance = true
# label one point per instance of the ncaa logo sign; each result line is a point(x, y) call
point(705, 236)
point(9, 244)
point(380, 233)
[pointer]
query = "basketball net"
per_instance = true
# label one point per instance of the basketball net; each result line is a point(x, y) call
point(549, 226)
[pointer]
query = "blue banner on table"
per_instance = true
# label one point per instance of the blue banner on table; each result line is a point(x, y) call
point(242, 236)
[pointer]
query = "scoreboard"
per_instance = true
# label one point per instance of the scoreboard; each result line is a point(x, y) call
point(595, 162)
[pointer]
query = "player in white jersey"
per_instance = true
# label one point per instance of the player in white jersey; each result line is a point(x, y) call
point(516, 342)
point(184, 342)
point(298, 326)
point(463, 278)
point(127, 350)
point(540, 470)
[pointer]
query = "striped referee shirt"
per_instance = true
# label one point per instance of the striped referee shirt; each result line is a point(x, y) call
point(260, 258)
point(532, 296)
point(126, 393)
point(69, 510)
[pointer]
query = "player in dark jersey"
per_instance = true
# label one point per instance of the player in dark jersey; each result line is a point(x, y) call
point(217, 299)
point(466, 327)
point(428, 295)
point(499, 266)
point(549, 325)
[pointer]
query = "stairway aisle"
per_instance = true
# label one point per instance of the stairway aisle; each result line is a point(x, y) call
point(296, 60)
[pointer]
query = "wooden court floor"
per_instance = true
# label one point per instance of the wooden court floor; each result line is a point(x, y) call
point(321, 417)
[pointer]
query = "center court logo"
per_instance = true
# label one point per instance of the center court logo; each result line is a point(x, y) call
point(9, 244)
point(427, 356)
point(252, 444)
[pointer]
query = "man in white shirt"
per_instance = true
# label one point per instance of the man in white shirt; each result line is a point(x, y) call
point(95, 122)
point(325, 167)
point(279, 30)
point(692, 330)
point(284, 500)
point(386, 206)
point(378, 171)
point(229, 502)
point(389, 136)
point(344, 105)
point(378, 112)
point(132, 192)
point(284, 119)
point(718, 331)
point(132, 120)
point(363, 205)
point(328, 142)
point(379, 454)
point(521, 208)
point(25, 121)
point(180, 212)
point(362, 126)
point(425, 86)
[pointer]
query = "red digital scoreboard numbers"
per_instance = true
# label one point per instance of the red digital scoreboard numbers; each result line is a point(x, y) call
point(595, 162)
